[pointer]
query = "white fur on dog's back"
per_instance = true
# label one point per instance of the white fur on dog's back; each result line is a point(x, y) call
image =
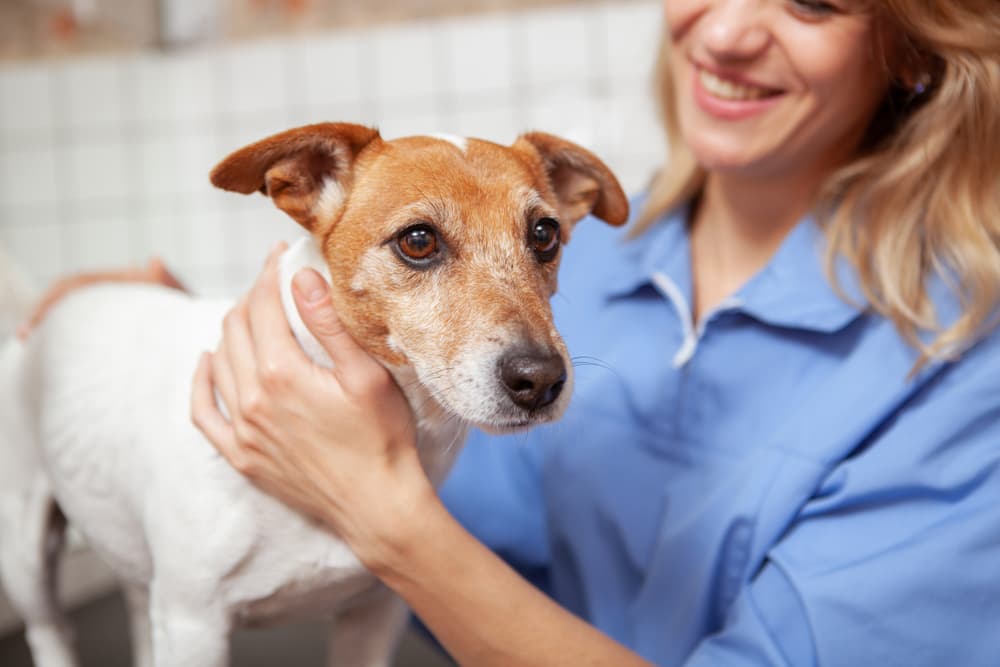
point(110, 363)
point(102, 392)
point(19, 460)
point(114, 364)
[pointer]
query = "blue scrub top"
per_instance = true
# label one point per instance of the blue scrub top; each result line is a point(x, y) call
point(769, 486)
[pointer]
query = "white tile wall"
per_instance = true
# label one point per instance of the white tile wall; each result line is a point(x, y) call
point(329, 72)
point(26, 99)
point(479, 58)
point(254, 77)
point(92, 239)
point(149, 101)
point(98, 167)
point(558, 46)
point(195, 85)
point(28, 175)
point(35, 245)
point(630, 51)
point(90, 94)
point(104, 161)
point(405, 64)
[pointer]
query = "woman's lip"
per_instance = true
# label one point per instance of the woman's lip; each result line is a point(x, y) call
point(730, 109)
point(729, 75)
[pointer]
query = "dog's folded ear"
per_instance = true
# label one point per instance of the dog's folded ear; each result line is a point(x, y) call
point(306, 171)
point(581, 182)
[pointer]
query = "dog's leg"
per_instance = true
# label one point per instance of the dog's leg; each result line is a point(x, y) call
point(29, 564)
point(366, 635)
point(137, 599)
point(186, 633)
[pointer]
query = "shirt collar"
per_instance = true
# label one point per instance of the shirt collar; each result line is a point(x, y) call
point(662, 248)
point(791, 291)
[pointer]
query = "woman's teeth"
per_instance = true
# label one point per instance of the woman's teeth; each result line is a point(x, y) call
point(727, 90)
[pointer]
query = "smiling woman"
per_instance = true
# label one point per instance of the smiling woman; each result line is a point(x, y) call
point(880, 110)
point(775, 459)
point(769, 458)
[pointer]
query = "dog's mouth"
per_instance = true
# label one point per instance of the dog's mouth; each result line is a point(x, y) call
point(516, 424)
point(499, 392)
point(494, 412)
point(509, 417)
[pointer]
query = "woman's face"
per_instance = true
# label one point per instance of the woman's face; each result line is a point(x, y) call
point(774, 86)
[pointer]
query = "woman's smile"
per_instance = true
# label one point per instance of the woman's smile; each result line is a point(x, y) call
point(727, 98)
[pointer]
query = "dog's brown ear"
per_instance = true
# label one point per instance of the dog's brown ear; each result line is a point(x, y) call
point(306, 171)
point(580, 181)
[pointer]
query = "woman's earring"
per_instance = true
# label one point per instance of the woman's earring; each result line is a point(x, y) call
point(922, 84)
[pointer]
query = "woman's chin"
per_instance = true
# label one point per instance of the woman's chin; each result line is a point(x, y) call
point(733, 157)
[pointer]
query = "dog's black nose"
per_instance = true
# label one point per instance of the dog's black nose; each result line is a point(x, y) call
point(533, 379)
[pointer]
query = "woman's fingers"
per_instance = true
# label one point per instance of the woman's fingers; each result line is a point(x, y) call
point(238, 357)
point(223, 382)
point(354, 367)
point(274, 346)
point(205, 411)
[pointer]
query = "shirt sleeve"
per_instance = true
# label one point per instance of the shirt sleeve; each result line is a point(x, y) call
point(896, 559)
point(494, 491)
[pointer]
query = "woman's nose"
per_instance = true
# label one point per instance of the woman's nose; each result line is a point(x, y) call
point(735, 29)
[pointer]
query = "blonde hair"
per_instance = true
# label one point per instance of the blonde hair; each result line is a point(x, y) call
point(921, 201)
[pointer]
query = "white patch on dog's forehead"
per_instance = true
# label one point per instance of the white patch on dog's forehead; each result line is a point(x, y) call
point(461, 143)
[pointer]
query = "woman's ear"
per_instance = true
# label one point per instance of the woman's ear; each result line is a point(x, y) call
point(305, 171)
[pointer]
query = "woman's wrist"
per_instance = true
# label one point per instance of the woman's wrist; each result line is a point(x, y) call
point(397, 505)
point(408, 538)
point(398, 535)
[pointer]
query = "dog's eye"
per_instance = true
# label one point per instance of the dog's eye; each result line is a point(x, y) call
point(418, 242)
point(545, 239)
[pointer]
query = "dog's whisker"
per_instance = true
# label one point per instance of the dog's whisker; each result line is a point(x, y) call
point(597, 361)
point(584, 361)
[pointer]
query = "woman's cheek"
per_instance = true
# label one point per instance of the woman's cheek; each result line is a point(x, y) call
point(679, 13)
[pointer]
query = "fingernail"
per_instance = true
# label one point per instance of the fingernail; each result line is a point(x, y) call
point(310, 285)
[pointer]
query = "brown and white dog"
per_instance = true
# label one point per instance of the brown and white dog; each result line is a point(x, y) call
point(441, 254)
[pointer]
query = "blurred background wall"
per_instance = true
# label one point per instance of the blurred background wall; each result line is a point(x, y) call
point(104, 157)
point(112, 113)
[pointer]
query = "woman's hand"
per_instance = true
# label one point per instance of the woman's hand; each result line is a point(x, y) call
point(154, 272)
point(337, 445)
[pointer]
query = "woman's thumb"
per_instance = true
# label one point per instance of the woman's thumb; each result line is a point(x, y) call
point(312, 298)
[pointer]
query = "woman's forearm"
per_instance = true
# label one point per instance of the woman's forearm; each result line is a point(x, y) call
point(155, 272)
point(480, 609)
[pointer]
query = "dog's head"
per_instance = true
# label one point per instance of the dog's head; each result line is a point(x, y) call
point(443, 252)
